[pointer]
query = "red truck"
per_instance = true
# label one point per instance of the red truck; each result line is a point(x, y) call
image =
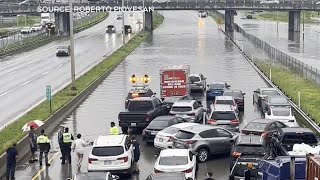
point(174, 81)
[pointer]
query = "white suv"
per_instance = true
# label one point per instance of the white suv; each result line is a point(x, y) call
point(113, 153)
point(189, 110)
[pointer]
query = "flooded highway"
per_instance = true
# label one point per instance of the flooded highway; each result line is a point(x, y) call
point(183, 38)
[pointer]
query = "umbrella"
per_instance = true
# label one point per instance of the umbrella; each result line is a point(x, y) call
point(35, 124)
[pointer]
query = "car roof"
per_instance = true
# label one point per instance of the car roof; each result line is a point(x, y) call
point(110, 26)
point(143, 99)
point(224, 97)
point(183, 125)
point(110, 140)
point(198, 128)
point(222, 107)
point(233, 90)
point(174, 152)
point(169, 174)
point(184, 103)
point(249, 139)
point(267, 88)
point(164, 118)
point(296, 129)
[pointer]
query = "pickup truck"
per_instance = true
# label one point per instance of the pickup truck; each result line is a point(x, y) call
point(140, 112)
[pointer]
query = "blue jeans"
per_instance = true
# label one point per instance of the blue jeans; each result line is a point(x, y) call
point(11, 168)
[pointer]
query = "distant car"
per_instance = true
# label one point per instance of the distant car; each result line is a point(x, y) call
point(269, 2)
point(119, 16)
point(127, 29)
point(63, 51)
point(276, 100)
point(110, 29)
point(169, 101)
point(282, 114)
point(203, 14)
point(36, 27)
point(262, 93)
point(238, 96)
point(158, 124)
point(204, 140)
point(190, 110)
point(216, 89)
point(94, 176)
point(262, 127)
point(111, 153)
point(160, 1)
point(25, 30)
point(164, 138)
point(248, 144)
point(249, 16)
point(227, 100)
point(176, 160)
point(198, 82)
point(318, 2)
point(167, 176)
point(138, 91)
point(131, 14)
point(224, 116)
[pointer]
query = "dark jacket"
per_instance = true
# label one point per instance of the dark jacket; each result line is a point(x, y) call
point(136, 150)
point(12, 154)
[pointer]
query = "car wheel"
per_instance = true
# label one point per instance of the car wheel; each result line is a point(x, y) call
point(203, 154)
point(253, 99)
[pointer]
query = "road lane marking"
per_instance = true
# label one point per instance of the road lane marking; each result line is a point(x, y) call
point(36, 176)
point(12, 72)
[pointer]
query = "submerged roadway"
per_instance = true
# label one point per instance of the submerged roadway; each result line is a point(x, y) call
point(23, 77)
point(183, 38)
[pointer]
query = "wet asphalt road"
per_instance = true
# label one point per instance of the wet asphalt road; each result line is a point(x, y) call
point(181, 39)
point(307, 50)
point(23, 77)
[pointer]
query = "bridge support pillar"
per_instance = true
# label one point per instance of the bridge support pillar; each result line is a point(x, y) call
point(148, 21)
point(63, 23)
point(294, 21)
point(229, 20)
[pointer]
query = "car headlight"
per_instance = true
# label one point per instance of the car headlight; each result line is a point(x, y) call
point(113, 28)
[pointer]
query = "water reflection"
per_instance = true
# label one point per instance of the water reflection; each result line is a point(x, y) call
point(294, 42)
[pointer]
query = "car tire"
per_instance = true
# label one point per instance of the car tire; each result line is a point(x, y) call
point(203, 155)
point(253, 99)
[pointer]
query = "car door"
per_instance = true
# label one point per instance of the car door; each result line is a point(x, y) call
point(225, 138)
point(212, 140)
point(256, 95)
point(197, 110)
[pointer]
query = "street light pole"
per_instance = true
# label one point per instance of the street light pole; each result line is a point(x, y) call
point(73, 71)
point(123, 30)
point(277, 21)
point(143, 15)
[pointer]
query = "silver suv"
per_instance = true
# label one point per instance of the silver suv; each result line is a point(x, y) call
point(204, 140)
point(224, 116)
point(190, 110)
point(198, 82)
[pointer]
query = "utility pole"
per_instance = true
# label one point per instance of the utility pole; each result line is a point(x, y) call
point(143, 15)
point(123, 30)
point(73, 71)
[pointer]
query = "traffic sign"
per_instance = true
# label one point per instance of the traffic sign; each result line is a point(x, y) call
point(48, 93)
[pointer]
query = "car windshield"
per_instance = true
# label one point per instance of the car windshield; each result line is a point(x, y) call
point(230, 102)
point(281, 111)
point(194, 79)
point(171, 99)
point(270, 92)
point(159, 123)
point(63, 47)
point(173, 160)
point(107, 151)
point(181, 109)
point(217, 115)
point(216, 86)
point(140, 106)
point(236, 94)
point(250, 149)
point(171, 130)
point(110, 26)
point(134, 95)
point(184, 135)
point(306, 138)
point(278, 100)
point(256, 126)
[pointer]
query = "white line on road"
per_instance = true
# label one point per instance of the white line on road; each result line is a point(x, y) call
point(12, 72)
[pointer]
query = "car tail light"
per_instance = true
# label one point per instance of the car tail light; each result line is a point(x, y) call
point(264, 134)
point(125, 159)
point(170, 139)
point(157, 171)
point(235, 121)
point(191, 141)
point(212, 121)
point(188, 170)
point(191, 114)
point(236, 154)
point(148, 118)
point(91, 159)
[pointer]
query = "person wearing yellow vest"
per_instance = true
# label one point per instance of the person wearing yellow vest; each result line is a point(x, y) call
point(66, 140)
point(114, 130)
point(44, 146)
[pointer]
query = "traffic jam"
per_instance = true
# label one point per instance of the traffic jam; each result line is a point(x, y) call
point(189, 129)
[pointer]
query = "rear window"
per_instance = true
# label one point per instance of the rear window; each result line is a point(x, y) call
point(171, 130)
point(270, 92)
point(256, 126)
point(140, 105)
point(223, 115)
point(278, 100)
point(281, 112)
point(237, 94)
point(181, 109)
point(159, 123)
point(229, 102)
point(173, 160)
point(184, 135)
point(216, 86)
point(194, 79)
point(134, 95)
point(251, 149)
point(107, 151)
point(299, 138)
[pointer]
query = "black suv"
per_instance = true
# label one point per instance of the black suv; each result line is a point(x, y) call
point(139, 91)
point(247, 144)
point(111, 29)
point(127, 29)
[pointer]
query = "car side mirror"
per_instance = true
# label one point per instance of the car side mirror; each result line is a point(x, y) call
point(243, 93)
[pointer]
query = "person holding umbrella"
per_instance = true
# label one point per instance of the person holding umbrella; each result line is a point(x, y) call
point(33, 144)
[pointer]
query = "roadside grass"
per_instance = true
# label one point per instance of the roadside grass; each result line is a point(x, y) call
point(291, 83)
point(13, 133)
point(284, 16)
point(217, 18)
point(28, 21)
point(98, 18)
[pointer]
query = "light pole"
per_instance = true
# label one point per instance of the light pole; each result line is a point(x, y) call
point(277, 21)
point(143, 14)
point(73, 71)
point(123, 30)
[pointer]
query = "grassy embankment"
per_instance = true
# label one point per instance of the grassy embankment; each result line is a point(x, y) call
point(309, 17)
point(13, 132)
point(291, 83)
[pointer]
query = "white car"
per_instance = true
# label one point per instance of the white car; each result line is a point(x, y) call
point(161, 1)
point(228, 100)
point(176, 160)
point(25, 30)
point(164, 138)
point(36, 27)
point(270, 2)
point(318, 2)
point(111, 153)
point(282, 114)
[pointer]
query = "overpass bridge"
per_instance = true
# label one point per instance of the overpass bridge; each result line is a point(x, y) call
point(230, 6)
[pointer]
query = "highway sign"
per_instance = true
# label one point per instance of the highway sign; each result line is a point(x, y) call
point(48, 93)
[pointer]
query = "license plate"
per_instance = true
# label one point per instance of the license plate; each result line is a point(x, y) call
point(224, 126)
point(107, 162)
point(153, 132)
point(133, 124)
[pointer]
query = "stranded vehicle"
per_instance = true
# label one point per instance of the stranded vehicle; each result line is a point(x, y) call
point(174, 81)
point(138, 91)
